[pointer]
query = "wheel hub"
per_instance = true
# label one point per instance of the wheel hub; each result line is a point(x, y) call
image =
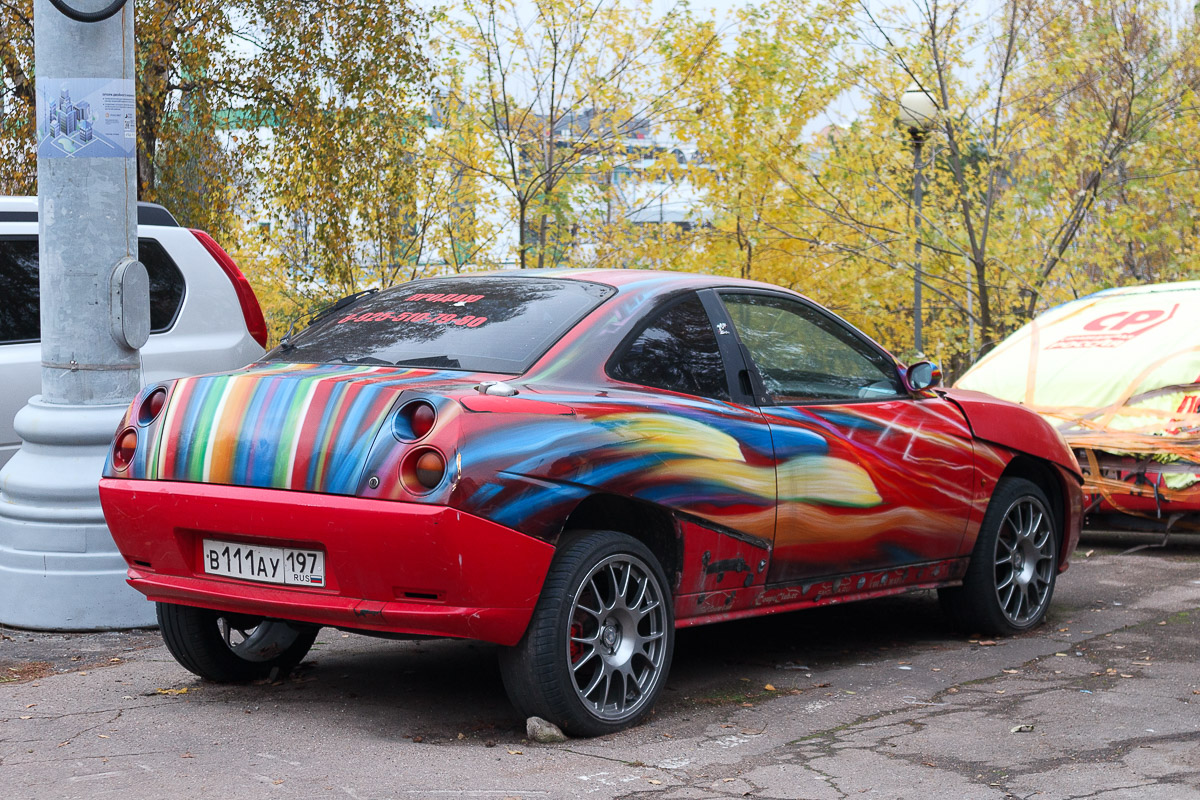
point(611, 637)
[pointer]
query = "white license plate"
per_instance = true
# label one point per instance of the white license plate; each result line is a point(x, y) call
point(249, 562)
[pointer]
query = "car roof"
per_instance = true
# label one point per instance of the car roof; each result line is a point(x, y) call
point(25, 209)
point(626, 279)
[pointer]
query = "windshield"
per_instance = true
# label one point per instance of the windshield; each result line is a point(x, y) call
point(478, 324)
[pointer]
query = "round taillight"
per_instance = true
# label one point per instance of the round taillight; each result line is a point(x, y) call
point(423, 417)
point(124, 447)
point(414, 420)
point(152, 406)
point(422, 470)
point(430, 468)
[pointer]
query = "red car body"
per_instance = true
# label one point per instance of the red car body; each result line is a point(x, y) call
point(750, 505)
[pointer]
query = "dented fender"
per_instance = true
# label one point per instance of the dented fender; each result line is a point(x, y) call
point(1013, 426)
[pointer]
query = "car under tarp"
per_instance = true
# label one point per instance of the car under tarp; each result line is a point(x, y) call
point(1118, 374)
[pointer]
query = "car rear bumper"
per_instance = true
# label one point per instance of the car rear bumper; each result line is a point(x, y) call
point(390, 567)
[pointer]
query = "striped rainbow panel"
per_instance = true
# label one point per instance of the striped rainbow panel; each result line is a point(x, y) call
point(282, 426)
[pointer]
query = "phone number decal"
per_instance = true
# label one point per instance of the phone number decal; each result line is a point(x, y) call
point(466, 321)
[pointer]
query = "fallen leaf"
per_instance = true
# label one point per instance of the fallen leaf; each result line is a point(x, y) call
point(277, 782)
point(1011, 671)
point(1123, 675)
point(769, 688)
point(1021, 729)
point(1060, 655)
point(83, 673)
point(515, 753)
point(1001, 691)
point(187, 755)
point(655, 782)
point(1088, 554)
point(31, 705)
point(987, 643)
point(184, 690)
point(462, 736)
point(27, 716)
point(747, 705)
point(102, 736)
point(418, 739)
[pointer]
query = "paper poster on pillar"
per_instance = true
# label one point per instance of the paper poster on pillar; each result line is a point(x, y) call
point(86, 118)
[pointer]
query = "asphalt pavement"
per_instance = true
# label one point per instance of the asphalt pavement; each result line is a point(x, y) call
point(870, 700)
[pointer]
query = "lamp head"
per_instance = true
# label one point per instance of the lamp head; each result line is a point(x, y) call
point(918, 111)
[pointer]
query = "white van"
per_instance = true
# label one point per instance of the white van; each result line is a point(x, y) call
point(204, 316)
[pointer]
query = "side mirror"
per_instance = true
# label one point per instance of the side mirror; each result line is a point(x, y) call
point(922, 376)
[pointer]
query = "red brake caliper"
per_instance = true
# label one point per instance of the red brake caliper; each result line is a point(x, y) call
point(576, 647)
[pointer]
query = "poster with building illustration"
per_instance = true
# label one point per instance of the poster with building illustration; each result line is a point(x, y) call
point(86, 118)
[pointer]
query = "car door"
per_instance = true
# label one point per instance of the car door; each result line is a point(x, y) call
point(870, 477)
point(702, 446)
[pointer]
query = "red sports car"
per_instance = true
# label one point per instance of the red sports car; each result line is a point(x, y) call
point(572, 464)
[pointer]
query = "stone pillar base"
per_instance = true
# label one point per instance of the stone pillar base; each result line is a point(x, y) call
point(59, 567)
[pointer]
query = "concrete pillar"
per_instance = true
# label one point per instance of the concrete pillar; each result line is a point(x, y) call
point(59, 568)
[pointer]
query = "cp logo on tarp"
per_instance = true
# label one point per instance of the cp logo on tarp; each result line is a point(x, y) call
point(1116, 328)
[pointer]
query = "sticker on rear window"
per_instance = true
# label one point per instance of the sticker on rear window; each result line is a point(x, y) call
point(466, 320)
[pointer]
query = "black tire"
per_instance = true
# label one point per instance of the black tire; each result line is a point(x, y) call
point(232, 648)
point(1010, 579)
point(598, 648)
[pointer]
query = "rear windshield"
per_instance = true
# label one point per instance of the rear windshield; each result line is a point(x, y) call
point(479, 324)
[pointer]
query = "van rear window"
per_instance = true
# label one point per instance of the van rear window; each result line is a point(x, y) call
point(478, 324)
point(20, 291)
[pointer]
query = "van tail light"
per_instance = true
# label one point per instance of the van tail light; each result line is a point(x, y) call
point(255, 324)
point(124, 447)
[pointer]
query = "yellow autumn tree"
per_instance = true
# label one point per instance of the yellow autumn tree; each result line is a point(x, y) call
point(1027, 165)
point(561, 97)
point(286, 130)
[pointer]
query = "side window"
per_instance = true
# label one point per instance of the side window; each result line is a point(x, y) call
point(166, 284)
point(19, 289)
point(19, 320)
point(803, 355)
point(677, 350)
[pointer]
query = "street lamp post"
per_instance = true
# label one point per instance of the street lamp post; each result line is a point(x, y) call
point(59, 567)
point(918, 113)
